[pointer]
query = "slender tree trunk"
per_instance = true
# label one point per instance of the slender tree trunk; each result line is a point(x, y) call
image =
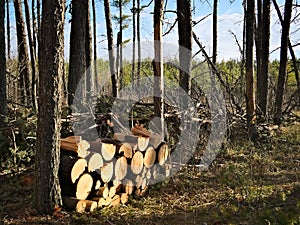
point(51, 65)
point(8, 29)
point(250, 99)
point(109, 32)
point(283, 61)
point(291, 50)
point(258, 43)
point(32, 55)
point(95, 47)
point(23, 61)
point(215, 32)
point(158, 63)
point(88, 43)
point(33, 22)
point(120, 42)
point(133, 41)
point(139, 43)
point(78, 51)
point(264, 70)
point(3, 99)
point(184, 16)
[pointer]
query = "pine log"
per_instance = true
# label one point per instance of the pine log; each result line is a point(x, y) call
point(137, 163)
point(121, 168)
point(128, 186)
point(143, 143)
point(150, 157)
point(138, 181)
point(91, 205)
point(101, 202)
point(71, 168)
point(108, 151)
point(126, 150)
point(113, 190)
point(124, 198)
point(74, 204)
point(84, 186)
point(94, 160)
point(140, 131)
point(107, 172)
point(163, 154)
point(115, 201)
point(129, 138)
point(76, 145)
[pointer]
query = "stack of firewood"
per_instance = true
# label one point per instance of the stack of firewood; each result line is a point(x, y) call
point(105, 172)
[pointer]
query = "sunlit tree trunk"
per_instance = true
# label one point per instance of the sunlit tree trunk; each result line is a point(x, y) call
point(215, 32)
point(283, 61)
point(250, 99)
point(95, 46)
point(51, 66)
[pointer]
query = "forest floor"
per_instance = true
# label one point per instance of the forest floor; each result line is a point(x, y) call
point(247, 184)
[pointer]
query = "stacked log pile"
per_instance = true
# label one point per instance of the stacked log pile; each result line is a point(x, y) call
point(105, 172)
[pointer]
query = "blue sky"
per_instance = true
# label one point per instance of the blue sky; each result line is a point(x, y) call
point(230, 19)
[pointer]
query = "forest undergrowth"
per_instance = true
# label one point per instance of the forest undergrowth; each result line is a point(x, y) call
point(248, 183)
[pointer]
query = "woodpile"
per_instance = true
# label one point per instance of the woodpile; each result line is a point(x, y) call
point(105, 172)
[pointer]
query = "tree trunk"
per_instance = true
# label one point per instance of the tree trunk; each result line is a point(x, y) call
point(250, 99)
point(258, 43)
point(215, 32)
point(184, 16)
point(23, 60)
point(293, 56)
point(3, 99)
point(51, 66)
point(138, 32)
point(8, 28)
point(109, 32)
point(32, 55)
point(95, 46)
point(158, 63)
point(88, 48)
point(78, 51)
point(283, 61)
point(133, 42)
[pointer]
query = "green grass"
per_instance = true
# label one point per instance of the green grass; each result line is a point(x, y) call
point(247, 184)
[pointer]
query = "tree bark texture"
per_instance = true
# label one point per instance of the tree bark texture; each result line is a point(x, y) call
point(109, 33)
point(215, 32)
point(78, 55)
point(283, 61)
point(184, 16)
point(3, 99)
point(250, 99)
point(95, 46)
point(51, 66)
point(23, 59)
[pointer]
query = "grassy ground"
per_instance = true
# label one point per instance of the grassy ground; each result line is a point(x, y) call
point(247, 184)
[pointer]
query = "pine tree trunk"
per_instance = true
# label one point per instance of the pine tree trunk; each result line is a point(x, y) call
point(215, 32)
point(157, 63)
point(283, 61)
point(95, 46)
point(32, 55)
point(88, 43)
point(3, 99)
point(184, 16)
point(78, 51)
point(133, 42)
point(138, 32)
point(51, 66)
point(23, 59)
point(7, 29)
point(250, 99)
point(109, 32)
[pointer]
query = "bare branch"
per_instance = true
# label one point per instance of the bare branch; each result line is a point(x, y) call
point(171, 28)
